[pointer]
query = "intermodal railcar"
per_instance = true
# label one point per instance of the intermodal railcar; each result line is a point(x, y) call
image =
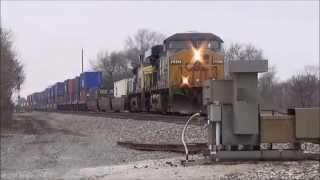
point(77, 94)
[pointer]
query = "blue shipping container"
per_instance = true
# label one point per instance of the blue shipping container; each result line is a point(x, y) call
point(60, 89)
point(47, 95)
point(53, 90)
point(91, 80)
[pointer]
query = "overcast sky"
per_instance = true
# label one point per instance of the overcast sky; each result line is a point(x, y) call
point(49, 35)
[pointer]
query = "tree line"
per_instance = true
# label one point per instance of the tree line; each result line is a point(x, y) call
point(301, 90)
point(11, 76)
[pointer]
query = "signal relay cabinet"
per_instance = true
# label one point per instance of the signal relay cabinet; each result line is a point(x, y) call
point(233, 105)
point(233, 118)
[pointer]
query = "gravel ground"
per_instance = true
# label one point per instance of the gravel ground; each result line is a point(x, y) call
point(172, 169)
point(67, 146)
point(52, 143)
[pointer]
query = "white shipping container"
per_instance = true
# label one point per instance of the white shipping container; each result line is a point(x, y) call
point(122, 87)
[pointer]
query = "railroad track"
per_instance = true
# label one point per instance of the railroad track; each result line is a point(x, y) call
point(177, 119)
point(178, 148)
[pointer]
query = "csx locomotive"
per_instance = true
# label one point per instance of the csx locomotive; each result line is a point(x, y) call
point(170, 75)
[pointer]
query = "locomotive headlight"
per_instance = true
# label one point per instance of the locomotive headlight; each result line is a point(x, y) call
point(185, 80)
point(197, 55)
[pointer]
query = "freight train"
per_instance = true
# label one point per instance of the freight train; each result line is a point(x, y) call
point(168, 80)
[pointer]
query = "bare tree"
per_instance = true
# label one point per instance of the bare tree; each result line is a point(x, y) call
point(267, 86)
point(140, 42)
point(118, 65)
point(304, 88)
point(237, 51)
point(311, 69)
point(114, 66)
point(282, 100)
point(11, 75)
point(301, 90)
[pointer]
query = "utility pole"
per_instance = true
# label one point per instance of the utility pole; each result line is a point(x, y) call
point(82, 58)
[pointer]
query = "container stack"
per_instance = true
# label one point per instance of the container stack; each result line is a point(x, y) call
point(72, 94)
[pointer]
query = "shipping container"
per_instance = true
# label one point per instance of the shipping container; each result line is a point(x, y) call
point(91, 80)
point(70, 86)
point(122, 87)
point(59, 90)
point(46, 100)
point(59, 100)
point(73, 90)
point(33, 100)
point(130, 85)
point(83, 96)
point(77, 90)
point(66, 93)
point(53, 96)
point(92, 93)
point(43, 100)
point(39, 100)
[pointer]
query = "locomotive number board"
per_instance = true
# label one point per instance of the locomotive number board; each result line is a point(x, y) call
point(175, 61)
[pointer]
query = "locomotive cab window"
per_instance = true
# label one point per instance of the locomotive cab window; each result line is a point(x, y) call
point(178, 45)
point(198, 44)
point(214, 45)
